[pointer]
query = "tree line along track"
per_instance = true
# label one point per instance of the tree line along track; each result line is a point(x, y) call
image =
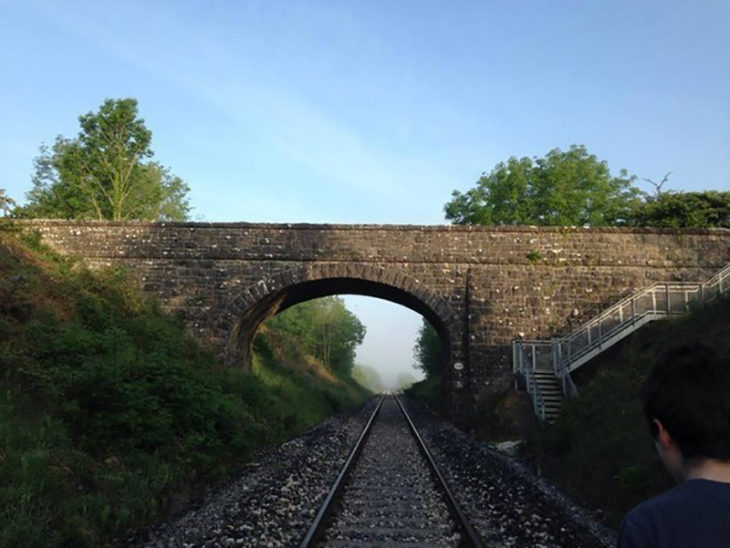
point(390, 491)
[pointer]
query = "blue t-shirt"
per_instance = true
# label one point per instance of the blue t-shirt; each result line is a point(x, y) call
point(695, 513)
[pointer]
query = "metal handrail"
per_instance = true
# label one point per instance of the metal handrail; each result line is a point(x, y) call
point(656, 301)
point(533, 390)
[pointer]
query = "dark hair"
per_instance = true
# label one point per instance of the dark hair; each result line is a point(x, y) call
point(688, 390)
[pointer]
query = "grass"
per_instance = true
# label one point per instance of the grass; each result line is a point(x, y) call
point(109, 411)
point(279, 364)
point(599, 449)
point(430, 392)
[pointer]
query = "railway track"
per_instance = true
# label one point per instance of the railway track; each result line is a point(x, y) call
point(275, 499)
point(390, 491)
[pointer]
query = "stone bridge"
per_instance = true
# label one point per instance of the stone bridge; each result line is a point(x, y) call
point(480, 287)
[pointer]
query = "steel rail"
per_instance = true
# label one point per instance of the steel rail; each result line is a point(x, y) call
point(315, 530)
point(469, 535)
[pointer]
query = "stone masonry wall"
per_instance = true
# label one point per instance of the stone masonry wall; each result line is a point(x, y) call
point(500, 282)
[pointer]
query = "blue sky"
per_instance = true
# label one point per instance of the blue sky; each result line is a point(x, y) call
point(371, 111)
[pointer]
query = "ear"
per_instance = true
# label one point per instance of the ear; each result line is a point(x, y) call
point(669, 452)
point(664, 438)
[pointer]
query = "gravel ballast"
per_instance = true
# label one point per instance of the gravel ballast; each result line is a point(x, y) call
point(390, 496)
point(275, 499)
point(505, 502)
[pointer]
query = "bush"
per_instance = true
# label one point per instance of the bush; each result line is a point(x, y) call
point(428, 391)
point(108, 409)
point(599, 448)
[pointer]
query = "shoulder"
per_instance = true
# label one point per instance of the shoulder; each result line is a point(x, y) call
point(660, 503)
point(640, 526)
point(633, 533)
point(658, 520)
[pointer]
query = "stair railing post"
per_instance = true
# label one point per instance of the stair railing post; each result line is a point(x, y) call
point(533, 356)
point(542, 409)
point(516, 365)
point(633, 311)
point(669, 304)
point(569, 349)
point(557, 361)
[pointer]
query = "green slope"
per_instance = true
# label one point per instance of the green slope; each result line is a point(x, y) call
point(109, 412)
point(600, 449)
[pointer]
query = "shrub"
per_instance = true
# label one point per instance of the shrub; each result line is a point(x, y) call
point(108, 408)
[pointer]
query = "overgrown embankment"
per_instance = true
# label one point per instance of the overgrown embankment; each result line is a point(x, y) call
point(110, 413)
point(599, 449)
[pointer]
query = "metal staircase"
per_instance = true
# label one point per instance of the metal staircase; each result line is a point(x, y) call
point(537, 360)
point(551, 398)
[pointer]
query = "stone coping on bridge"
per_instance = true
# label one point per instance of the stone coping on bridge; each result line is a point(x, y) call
point(404, 227)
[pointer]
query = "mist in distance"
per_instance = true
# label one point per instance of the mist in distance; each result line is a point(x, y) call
point(388, 345)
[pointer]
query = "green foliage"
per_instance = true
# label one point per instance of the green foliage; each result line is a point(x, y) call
point(108, 409)
point(533, 256)
point(428, 351)
point(574, 188)
point(309, 395)
point(103, 173)
point(563, 188)
point(684, 210)
point(6, 203)
point(367, 376)
point(428, 391)
point(404, 380)
point(600, 448)
point(325, 329)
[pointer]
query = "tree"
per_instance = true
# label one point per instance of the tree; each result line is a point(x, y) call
point(404, 380)
point(563, 188)
point(323, 328)
point(428, 351)
point(338, 332)
point(105, 173)
point(6, 203)
point(684, 210)
point(658, 186)
point(367, 376)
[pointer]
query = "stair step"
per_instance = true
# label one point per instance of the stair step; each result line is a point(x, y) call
point(544, 380)
point(549, 393)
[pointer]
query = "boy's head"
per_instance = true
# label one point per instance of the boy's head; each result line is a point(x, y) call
point(688, 392)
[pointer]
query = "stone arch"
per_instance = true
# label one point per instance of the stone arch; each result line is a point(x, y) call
point(238, 324)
